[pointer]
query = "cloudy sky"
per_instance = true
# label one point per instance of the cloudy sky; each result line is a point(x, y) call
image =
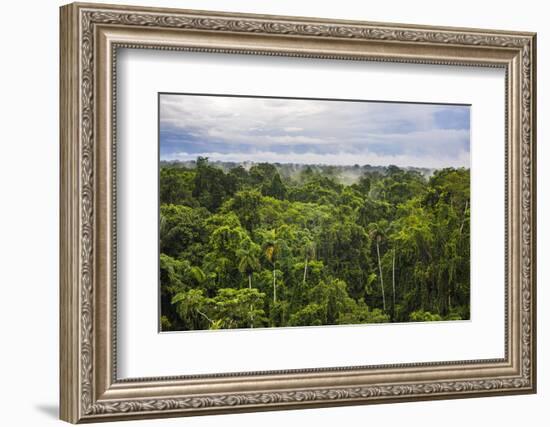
point(313, 132)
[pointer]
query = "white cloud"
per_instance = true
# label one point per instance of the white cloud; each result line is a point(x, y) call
point(339, 158)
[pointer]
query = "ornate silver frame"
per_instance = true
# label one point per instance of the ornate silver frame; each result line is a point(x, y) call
point(90, 36)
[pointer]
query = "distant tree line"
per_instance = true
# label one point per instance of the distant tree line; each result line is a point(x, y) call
point(252, 248)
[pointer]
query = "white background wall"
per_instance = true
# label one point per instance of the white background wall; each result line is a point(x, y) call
point(29, 170)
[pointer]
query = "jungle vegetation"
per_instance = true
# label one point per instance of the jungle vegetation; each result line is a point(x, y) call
point(275, 245)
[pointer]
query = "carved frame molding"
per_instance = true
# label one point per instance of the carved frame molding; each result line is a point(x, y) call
point(90, 36)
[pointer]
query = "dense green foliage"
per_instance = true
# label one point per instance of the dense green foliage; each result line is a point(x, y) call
point(265, 247)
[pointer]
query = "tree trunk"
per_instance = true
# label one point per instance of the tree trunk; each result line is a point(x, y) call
point(381, 278)
point(250, 287)
point(205, 316)
point(251, 317)
point(449, 298)
point(305, 272)
point(449, 288)
point(393, 281)
point(274, 287)
point(464, 218)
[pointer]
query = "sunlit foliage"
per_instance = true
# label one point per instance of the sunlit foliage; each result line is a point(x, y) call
point(282, 245)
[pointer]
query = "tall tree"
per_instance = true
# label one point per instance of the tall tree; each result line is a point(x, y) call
point(248, 261)
point(275, 188)
point(308, 250)
point(212, 185)
point(377, 232)
point(272, 247)
point(393, 281)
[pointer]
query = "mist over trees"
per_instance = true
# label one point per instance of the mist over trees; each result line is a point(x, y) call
point(280, 245)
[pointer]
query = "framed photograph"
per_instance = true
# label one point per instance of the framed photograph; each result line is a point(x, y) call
point(266, 212)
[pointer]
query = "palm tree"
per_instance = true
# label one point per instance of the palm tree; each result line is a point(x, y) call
point(269, 251)
point(248, 263)
point(271, 248)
